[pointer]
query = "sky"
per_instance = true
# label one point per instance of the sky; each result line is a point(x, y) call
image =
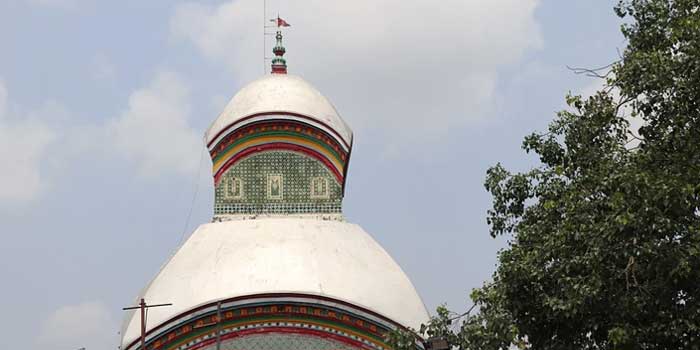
point(103, 106)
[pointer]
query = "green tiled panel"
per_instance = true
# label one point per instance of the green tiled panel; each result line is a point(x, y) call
point(296, 172)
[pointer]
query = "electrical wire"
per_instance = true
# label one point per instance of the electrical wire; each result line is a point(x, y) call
point(194, 196)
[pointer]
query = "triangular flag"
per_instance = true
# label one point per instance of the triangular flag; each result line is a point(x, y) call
point(282, 23)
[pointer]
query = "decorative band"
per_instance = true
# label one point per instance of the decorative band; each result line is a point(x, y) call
point(276, 115)
point(282, 134)
point(292, 313)
point(251, 150)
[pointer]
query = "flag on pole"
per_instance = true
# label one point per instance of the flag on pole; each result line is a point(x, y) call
point(280, 22)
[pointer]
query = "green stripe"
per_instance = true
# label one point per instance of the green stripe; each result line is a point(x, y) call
point(245, 319)
point(278, 133)
point(230, 324)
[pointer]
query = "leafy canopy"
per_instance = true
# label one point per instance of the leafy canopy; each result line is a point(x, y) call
point(604, 235)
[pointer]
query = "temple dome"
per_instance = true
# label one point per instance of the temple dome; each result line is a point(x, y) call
point(281, 94)
point(330, 259)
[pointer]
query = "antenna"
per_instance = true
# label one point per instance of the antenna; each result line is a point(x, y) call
point(144, 307)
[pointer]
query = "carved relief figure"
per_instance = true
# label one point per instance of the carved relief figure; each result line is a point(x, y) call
point(274, 186)
point(236, 188)
point(233, 188)
point(319, 187)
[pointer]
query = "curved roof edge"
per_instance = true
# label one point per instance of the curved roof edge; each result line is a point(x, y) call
point(258, 299)
point(237, 258)
point(282, 94)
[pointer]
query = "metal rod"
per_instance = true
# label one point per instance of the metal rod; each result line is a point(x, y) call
point(218, 326)
point(147, 306)
point(143, 307)
point(264, 38)
point(143, 324)
point(157, 305)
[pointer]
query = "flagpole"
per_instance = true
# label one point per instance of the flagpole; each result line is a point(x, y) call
point(264, 35)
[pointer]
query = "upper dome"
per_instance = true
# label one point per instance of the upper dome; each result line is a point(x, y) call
point(330, 259)
point(280, 94)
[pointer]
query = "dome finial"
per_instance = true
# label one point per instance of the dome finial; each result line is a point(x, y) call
point(279, 64)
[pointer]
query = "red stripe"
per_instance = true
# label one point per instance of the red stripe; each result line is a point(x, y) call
point(277, 125)
point(265, 295)
point(286, 330)
point(278, 113)
point(277, 146)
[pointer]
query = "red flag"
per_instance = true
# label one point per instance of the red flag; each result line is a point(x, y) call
point(282, 23)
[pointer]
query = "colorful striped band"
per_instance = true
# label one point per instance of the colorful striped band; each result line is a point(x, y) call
point(283, 115)
point(308, 315)
point(268, 330)
point(289, 135)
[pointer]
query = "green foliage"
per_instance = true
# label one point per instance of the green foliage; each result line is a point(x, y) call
point(439, 326)
point(604, 235)
point(401, 339)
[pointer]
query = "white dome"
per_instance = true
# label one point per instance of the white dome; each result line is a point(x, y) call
point(275, 255)
point(281, 93)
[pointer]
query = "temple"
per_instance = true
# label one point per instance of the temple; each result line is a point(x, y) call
point(278, 267)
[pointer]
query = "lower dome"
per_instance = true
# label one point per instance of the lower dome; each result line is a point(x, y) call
point(279, 266)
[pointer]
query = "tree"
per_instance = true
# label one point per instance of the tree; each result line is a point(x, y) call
point(604, 235)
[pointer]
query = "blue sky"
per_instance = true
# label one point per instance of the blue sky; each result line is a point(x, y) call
point(103, 106)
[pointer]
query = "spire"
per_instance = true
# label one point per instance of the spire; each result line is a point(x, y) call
point(279, 64)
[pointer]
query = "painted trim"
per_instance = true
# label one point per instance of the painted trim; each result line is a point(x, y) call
point(283, 330)
point(232, 125)
point(277, 146)
point(310, 139)
point(218, 153)
point(278, 329)
point(272, 297)
point(264, 140)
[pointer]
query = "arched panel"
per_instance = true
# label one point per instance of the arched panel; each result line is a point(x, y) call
point(278, 181)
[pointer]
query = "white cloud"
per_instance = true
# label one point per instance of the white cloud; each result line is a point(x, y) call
point(420, 65)
point(23, 142)
point(88, 325)
point(154, 132)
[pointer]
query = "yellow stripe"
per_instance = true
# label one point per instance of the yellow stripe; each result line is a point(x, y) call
point(269, 139)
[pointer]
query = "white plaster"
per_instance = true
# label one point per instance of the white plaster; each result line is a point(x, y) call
point(277, 255)
point(280, 93)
